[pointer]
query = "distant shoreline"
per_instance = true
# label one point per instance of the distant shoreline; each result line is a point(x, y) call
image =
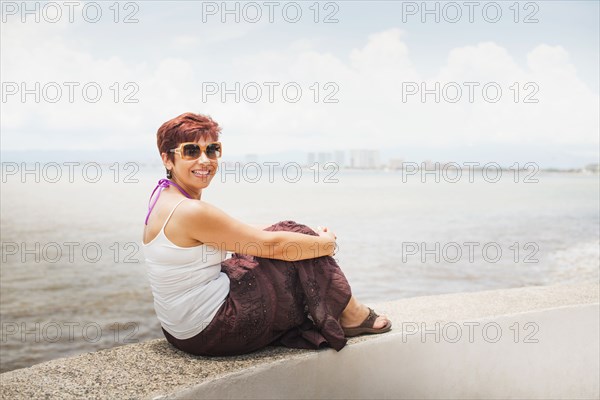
point(591, 169)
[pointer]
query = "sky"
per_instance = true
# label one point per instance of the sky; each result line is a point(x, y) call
point(498, 81)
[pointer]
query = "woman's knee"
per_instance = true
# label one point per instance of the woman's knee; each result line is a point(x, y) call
point(292, 226)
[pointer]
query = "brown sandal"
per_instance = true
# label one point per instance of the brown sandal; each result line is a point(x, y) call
point(367, 326)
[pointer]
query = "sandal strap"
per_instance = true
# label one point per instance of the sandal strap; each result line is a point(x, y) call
point(369, 322)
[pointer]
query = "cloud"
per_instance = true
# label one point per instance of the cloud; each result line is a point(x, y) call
point(368, 85)
point(185, 41)
point(384, 52)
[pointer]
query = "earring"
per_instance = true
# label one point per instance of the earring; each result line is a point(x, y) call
point(169, 175)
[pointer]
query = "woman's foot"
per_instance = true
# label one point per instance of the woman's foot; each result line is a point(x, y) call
point(353, 318)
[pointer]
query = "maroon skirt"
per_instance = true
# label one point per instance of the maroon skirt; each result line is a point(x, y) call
point(275, 302)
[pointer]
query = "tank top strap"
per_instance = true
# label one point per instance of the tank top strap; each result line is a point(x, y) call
point(162, 184)
point(171, 213)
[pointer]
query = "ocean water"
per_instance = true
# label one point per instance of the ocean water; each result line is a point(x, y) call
point(73, 277)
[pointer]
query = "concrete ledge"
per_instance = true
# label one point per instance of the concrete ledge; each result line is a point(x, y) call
point(532, 342)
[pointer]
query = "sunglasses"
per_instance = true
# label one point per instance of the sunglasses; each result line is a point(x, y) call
point(193, 151)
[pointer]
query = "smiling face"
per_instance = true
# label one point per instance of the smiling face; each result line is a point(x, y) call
point(192, 175)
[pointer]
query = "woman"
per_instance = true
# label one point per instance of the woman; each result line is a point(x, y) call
point(280, 287)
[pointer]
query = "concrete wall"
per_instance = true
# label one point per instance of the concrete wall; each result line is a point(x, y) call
point(533, 342)
point(554, 355)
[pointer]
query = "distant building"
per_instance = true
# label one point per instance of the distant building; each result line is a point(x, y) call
point(396, 163)
point(323, 157)
point(593, 168)
point(429, 165)
point(364, 159)
point(339, 157)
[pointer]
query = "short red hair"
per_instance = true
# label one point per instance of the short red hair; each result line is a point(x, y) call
point(188, 127)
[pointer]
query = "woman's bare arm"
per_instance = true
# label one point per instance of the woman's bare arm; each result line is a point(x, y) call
point(210, 225)
point(260, 226)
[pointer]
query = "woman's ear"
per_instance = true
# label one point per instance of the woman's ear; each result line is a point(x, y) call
point(166, 162)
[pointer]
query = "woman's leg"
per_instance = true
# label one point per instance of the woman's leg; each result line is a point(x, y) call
point(355, 313)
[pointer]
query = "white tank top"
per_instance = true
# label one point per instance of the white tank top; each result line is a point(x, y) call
point(187, 283)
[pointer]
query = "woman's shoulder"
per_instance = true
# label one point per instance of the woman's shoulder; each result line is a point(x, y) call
point(193, 208)
point(195, 204)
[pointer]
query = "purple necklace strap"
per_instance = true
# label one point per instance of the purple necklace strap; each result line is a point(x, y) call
point(162, 184)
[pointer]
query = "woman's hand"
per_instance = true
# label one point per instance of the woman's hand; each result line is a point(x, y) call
point(324, 231)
